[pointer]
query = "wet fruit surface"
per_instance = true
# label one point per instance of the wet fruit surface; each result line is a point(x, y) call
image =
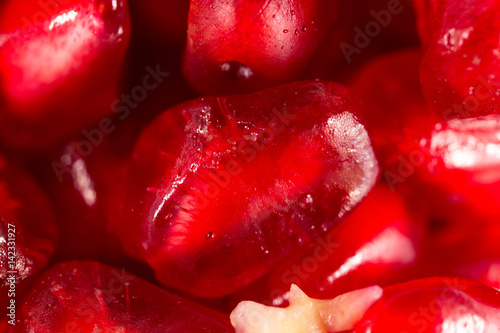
point(51, 67)
point(220, 189)
point(244, 46)
point(454, 162)
point(208, 148)
point(460, 68)
point(377, 244)
point(85, 296)
point(434, 305)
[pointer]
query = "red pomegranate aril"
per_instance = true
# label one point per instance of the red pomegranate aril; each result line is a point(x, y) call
point(456, 163)
point(396, 114)
point(244, 46)
point(434, 305)
point(461, 251)
point(59, 67)
point(86, 296)
point(376, 245)
point(28, 232)
point(448, 171)
point(392, 99)
point(221, 189)
point(465, 163)
point(460, 70)
point(368, 209)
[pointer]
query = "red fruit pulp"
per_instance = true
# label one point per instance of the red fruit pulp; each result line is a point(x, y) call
point(220, 189)
point(455, 162)
point(27, 230)
point(462, 251)
point(155, 48)
point(375, 245)
point(392, 100)
point(365, 29)
point(464, 165)
point(434, 305)
point(460, 70)
point(85, 297)
point(396, 19)
point(59, 67)
point(244, 46)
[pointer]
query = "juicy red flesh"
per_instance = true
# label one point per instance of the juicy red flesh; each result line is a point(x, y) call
point(220, 189)
point(460, 69)
point(51, 67)
point(27, 229)
point(448, 171)
point(462, 251)
point(434, 305)
point(376, 245)
point(244, 46)
point(85, 296)
point(456, 162)
point(224, 199)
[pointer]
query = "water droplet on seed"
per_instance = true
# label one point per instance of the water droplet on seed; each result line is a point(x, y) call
point(234, 70)
point(306, 201)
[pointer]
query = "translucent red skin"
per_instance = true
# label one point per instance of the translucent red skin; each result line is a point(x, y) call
point(81, 180)
point(33, 114)
point(458, 203)
point(458, 250)
point(76, 296)
point(24, 206)
point(392, 99)
point(460, 69)
point(417, 156)
point(223, 247)
point(434, 305)
point(275, 39)
point(382, 212)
